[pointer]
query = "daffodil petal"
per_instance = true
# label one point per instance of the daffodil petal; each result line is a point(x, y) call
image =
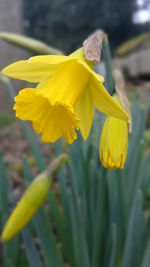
point(29, 72)
point(78, 54)
point(35, 68)
point(85, 112)
point(104, 102)
point(94, 74)
point(49, 59)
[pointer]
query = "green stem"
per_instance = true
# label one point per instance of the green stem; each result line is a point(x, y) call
point(108, 65)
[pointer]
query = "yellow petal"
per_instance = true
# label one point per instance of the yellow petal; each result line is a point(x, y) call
point(85, 112)
point(49, 59)
point(34, 69)
point(93, 73)
point(29, 72)
point(27, 207)
point(104, 102)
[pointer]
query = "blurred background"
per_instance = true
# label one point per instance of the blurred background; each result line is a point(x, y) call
point(66, 23)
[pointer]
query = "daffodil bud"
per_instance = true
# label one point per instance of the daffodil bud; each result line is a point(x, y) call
point(114, 143)
point(27, 207)
point(32, 200)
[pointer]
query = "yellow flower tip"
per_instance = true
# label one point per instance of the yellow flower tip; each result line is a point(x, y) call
point(4, 71)
point(10, 69)
point(114, 143)
point(7, 234)
point(108, 163)
point(4, 237)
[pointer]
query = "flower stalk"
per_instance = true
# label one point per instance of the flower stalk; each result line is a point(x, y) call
point(108, 65)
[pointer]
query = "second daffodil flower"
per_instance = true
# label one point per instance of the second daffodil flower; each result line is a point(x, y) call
point(64, 99)
point(114, 138)
point(114, 143)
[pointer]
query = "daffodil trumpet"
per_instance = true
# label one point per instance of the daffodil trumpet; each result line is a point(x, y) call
point(32, 199)
point(63, 101)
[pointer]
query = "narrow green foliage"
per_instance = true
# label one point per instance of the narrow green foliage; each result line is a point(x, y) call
point(108, 65)
point(134, 234)
point(30, 249)
point(11, 250)
point(30, 44)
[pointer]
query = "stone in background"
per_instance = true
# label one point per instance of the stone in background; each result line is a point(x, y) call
point(11, 20)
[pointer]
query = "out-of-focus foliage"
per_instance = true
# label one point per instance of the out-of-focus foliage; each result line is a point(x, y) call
point(30, 44)
point(131, 44)
point(67, 23)
point(5, 119)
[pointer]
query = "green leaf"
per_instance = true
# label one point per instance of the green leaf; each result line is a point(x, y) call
point(134, 234)
point(30, 249)
point(78, 227)
point(146, 259)
point(33, 45)
point(59, 224)
point(12, 248)
point(112, 262)
point(98, 230)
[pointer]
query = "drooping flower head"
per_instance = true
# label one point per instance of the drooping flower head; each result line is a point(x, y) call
point(64, 99)
point(114, 142)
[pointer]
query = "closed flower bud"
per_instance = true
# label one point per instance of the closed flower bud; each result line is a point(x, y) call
point(32, 199)
point(27, 207)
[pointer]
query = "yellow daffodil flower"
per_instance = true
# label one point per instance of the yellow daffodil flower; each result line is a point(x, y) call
point(114, 143)
point(64, 99)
